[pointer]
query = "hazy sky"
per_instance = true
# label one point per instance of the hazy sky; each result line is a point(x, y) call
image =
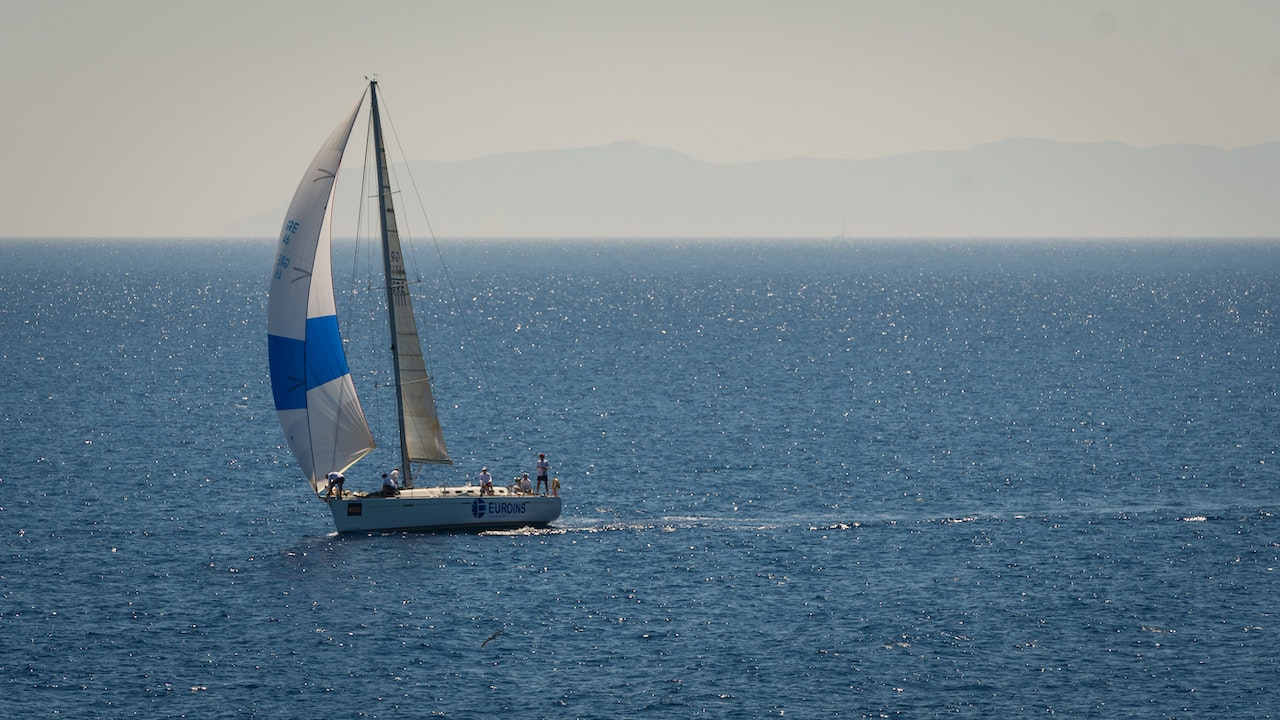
point(172, 118)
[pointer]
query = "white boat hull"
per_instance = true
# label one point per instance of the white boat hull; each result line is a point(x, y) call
point(451, 508)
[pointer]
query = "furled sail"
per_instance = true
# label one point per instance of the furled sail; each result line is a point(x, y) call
point(314, 394)
point(422, 439)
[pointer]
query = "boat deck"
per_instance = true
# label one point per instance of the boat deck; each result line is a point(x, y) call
point(438, 492)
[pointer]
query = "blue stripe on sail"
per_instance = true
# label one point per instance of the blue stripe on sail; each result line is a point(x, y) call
point(318, 360)
point(288, 365)
point(325, 359)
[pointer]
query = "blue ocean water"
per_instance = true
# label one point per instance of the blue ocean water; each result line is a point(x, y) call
point(805, 479)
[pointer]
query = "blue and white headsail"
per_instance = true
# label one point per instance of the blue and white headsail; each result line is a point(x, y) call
point(314, 394)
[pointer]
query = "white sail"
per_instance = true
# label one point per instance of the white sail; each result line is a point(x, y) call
point(314, 396)
point(422, 439)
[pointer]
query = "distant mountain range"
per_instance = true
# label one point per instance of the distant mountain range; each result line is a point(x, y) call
point(1012, 188)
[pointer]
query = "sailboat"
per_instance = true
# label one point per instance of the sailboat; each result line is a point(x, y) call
point(321, 415)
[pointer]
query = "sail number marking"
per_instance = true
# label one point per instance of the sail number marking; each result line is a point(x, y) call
point(282, 264)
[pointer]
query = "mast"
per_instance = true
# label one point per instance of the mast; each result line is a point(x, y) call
point(421, 438)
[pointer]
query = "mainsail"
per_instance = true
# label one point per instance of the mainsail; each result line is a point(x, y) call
point(312, 386)
point(421, 437)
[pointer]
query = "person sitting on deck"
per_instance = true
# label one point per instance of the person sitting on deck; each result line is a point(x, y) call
point(526, 487)
point(486, 482)
point(389, 488)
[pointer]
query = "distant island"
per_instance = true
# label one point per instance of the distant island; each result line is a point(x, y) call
point(1012, 188)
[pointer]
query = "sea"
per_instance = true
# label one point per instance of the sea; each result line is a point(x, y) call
point(802, 478)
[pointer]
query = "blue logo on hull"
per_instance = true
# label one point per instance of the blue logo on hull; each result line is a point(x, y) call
point(480, 508)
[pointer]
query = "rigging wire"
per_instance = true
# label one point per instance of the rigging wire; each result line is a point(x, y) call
point(366, 241)
point(366, 298)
